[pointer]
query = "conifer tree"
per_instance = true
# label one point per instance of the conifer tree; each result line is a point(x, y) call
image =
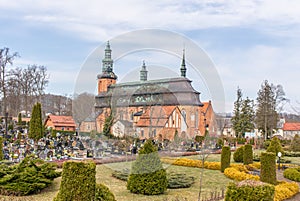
point(237, 113)
point(147, 174)
point(36, 124)
point(1, 148)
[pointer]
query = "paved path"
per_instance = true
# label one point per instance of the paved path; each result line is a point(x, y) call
point(280, 176)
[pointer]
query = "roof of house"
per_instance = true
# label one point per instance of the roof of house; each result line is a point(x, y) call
point(291, 126)
point(156, 116)
point(61, 120)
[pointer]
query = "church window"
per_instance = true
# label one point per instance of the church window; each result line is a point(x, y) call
point(196, 119)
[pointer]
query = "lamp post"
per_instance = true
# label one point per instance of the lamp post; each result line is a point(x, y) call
point(279, 155)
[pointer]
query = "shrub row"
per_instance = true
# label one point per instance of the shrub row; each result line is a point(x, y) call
point(285, 190)
point(237, 174)
point(291, 154)
point(249, 190)
point(292, 174)
point(192, 163)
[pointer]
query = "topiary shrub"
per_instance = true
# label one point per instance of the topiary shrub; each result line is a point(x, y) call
point(268, 167)
point(295, 146)
point(275, 146)
point(249, 190)
point(225, 158)
point(248, 154)
point(292, 174)
point(147, 174)
point(102, 193)
point(238, 155)
point(28, 177)
point(78, 181)
point(179, 180)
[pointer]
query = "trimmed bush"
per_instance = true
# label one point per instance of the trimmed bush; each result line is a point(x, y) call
point(238, 155)
point(26, 178)
point(268, 167)
point(147, 174)
point(225, 158)
point(295, 146)
point(192, 163)
point(275, 146)
point(78, 181)
point(102, 193)
point(179, 180)
point(238, 174)
point(249, 190)
point(248, 154)
point(292, 174)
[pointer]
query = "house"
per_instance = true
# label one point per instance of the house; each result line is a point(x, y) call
point(88, 124)
point(122, 128)
point(62, 123)
point(290, 130)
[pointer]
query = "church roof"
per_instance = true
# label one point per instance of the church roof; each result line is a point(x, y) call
point(170, 91)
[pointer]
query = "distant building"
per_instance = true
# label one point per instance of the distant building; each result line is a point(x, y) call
point(290, 130)
point(155, 108)
point(62, 123)
point(88, 124)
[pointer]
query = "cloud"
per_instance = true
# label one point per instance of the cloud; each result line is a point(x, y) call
point(94, 20)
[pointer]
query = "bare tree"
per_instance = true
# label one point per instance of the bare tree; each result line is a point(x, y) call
point(40, 80)
point(5, 59)
point(83, 106)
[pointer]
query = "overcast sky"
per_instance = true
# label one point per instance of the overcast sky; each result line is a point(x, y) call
point(248, 41)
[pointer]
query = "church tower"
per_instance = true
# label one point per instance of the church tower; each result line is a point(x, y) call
point(107, 77)
point(143, 72)
point(183, 68)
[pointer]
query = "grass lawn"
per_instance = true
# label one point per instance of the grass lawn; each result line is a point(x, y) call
point(212, 180)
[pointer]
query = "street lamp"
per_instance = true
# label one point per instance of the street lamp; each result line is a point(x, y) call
point(279, 155)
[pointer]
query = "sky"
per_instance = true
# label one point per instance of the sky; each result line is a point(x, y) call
point(246, 41)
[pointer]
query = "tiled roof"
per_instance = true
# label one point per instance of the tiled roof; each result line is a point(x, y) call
point(62, 120)
point(159, 116)
point(291, 126)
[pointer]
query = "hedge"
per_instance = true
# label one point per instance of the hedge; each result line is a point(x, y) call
point(78, 181)
point(249, 190)
point(225, 158)
point(192, 163)
point(248, 154)
point(268, 167)
point(292, 174)
point(238, 155)
point(238, 174)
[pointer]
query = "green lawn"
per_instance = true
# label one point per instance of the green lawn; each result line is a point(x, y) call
point(212, 180)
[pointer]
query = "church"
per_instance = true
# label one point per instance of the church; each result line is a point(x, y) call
point(157, 109)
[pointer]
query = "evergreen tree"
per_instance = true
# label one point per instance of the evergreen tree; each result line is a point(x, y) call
point(295, 146)
point(247, 116)
point(243, 118)
point(107, 125)
point(266, 114)
point(237, 114)
point(275, 146)
point(147, 174)
point(36, 124)
point(20, 119)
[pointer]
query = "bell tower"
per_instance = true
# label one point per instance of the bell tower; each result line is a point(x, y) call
point(107, 77)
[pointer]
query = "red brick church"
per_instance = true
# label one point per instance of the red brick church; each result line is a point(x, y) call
point(151, 108)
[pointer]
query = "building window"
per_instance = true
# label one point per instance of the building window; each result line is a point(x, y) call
point(196, 119)
point(154, 133)
point(131, 116)
point(142, 133)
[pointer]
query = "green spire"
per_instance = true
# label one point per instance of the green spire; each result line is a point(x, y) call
point(143, 72)
point(107, 64)
point(183, 68)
